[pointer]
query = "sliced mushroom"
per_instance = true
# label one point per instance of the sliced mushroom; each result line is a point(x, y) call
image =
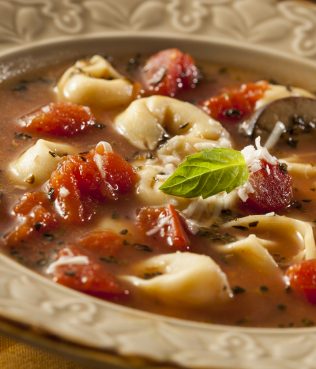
point(297, 113)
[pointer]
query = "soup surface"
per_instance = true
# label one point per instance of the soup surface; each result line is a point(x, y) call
point(84, 207)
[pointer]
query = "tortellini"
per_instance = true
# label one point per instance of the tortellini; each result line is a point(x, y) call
point(182, 278)
point(146, 121)
point(187, 129)
point(252, 251)
point(276, 92)
point(290, 240)
point(94, 82)
point(36, 164)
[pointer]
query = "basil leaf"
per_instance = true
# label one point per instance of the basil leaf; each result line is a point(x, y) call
point(207, 173)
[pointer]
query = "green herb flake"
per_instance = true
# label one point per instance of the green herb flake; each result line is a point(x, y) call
point(253, 224)
point(237, 290)
point(142, 247)
point(207, 173)
point(109, 259)
point(264, 289)
point(281, 307)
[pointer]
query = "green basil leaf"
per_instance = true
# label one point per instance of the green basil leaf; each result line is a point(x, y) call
point(207, 173)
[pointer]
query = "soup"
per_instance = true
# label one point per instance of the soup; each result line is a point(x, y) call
point(143, 181)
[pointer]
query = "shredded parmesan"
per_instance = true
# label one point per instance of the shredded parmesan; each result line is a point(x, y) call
point(159, 227)
point(64, 192)
point(254, 155)
point(275, 135)
point(67, 260)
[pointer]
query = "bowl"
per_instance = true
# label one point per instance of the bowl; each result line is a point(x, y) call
point(107, 335)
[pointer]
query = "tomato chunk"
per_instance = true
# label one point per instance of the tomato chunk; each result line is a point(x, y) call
point(272, 187)
point(236, 104)
point(37, 216)
point(105, 243)
point(92, 277)
point(302, 278)
point(164, 223)
point(170, 71)
point(82, 181)
point(59, 119)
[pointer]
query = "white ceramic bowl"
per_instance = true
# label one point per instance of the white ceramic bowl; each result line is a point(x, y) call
point(28, 298)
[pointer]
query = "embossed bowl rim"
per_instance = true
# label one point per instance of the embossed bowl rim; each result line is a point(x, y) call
point(51, 301)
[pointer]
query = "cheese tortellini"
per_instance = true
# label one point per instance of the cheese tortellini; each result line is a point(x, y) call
point(147, 121)
point(182, 278)
point(290, 240)
point(36, 164)
point(94, 82)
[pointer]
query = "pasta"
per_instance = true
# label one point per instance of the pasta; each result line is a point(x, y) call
point(182, 278)
point(95, 82)
point(36, 164)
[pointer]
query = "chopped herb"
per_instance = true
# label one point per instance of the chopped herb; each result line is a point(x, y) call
point(232, 113)
point(51, 194)
point(283, 167)
point(142, 247)
point(214, 235)
point(183, 126)
point(20, 86)
point(241, 228)
point(124, 231)
point(52, 153)
point(281, 307)
point(22, 136)
point(297, 205)
point(30, 179)
point(38, 226)
point(41, 262)
point(241, 321)
point(223, 70)
point(49, 237)
point(115, 215)
point(253, 224)
point(264, 288)
point(288, 289)
point(307, 322)
point(70, 273)
point(292, 142)
point(133, 63)
point(150, 275)
point(99, 125)
point(109, 259)
point(238, 290)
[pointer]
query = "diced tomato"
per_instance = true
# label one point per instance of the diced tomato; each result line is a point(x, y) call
point(302, 278)
point(82, 181)
point(167, 223)
point(169, 71)
point(105, 243)
point(236, 104)
point(272, 187)
point(37, 216)
point(92, 278)
point(59, 119)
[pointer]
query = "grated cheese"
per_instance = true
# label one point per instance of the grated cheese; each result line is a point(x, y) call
point(275, 135)
point(64, 192)
point(67, 260)
point(159, 227)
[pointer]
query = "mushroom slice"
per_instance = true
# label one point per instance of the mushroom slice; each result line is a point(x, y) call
point(182, 279)
point(292, 111)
